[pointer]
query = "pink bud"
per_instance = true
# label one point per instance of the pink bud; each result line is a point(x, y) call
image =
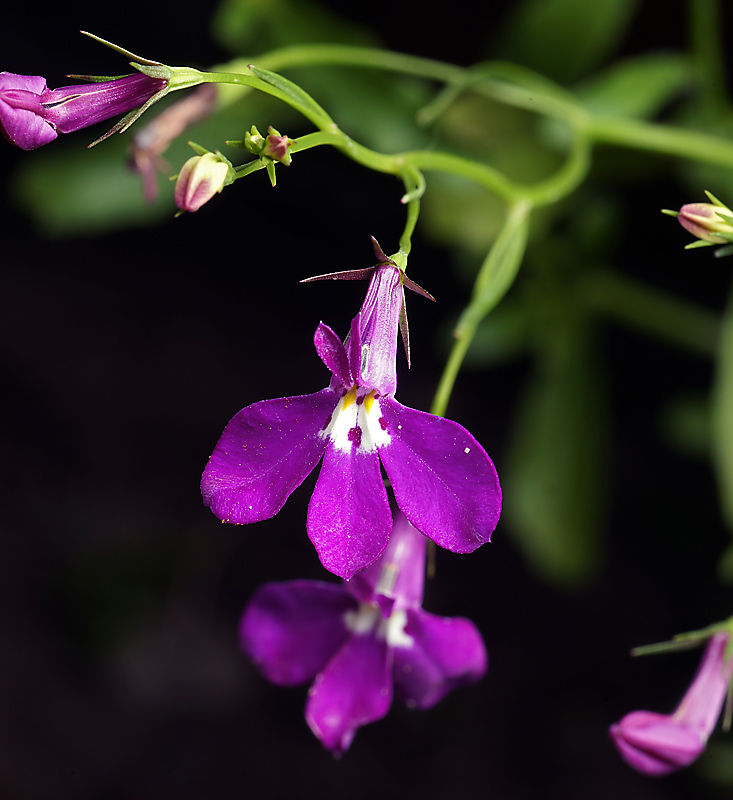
point(199, 180)
point(703, 221)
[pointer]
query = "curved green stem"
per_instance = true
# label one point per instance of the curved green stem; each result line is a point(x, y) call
point(494, 279)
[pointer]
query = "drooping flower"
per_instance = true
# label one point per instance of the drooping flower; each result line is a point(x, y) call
point(32, 115)
point(361, 641)
point(443, 480)
point(152, 140)
point(657, 744)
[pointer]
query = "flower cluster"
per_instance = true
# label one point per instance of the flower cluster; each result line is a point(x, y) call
point(362, 641)
point(442, 479)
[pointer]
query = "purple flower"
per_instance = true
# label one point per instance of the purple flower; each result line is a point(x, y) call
point(32, 115)
point(362, 640)
point(442, 479)
point(657, 744)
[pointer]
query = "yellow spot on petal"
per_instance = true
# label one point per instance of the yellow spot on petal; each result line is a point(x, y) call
point(369, 401)
point(349, 398)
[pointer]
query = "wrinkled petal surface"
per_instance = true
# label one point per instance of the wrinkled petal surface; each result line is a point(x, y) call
point(447, 652)
point(656, 744)
point(266, 451)
point(291, 630)
point(349, 520)
point(443, 480)
point(378, 322)
point(353, 690)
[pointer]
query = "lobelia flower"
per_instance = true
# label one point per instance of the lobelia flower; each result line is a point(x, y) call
point(443, 480)
point(361, 641)
point(657, 744)
point(32, 115)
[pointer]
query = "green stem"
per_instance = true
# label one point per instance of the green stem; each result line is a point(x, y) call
point(493, 281)
point(666, 317)
point(662, 139)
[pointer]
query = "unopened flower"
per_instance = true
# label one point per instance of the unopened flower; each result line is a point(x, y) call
point(32, 115)
point(711, 223)
point(442, 478)
point(200, 179)
point(362, 641)
point(277, 147)
point(657, 744)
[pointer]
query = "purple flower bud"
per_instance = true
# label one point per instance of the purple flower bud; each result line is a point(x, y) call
point(657, 744)
point(703, 220)
point(200, 179)
point(277, 147)
point(32, 115)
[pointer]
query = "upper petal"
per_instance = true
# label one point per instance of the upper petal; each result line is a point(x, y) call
point(354, 689)
point(443, 480)
point(266, 451)
point(291, 630)
point(446, 652)
point(349, 520)
point(378, 322)
point(332, 353)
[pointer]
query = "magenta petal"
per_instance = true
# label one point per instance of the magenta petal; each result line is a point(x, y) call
point(443, 480)
point(447, 652)
point(20, 110)
point(354, 689)
point(656, 744)
point(349, 520)
point(332, 353)
point(266, 451)
point(291, 630)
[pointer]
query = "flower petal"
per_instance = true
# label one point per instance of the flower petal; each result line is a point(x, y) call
point(332, 353)
point(21, 122)
point(447, 652)
point(656, 744)
point(266, 451)
point(443, 480)
point(291, 630)
point(349, 520)
point(354, 689)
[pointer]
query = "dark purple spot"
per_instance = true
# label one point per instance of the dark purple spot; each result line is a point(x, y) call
point(360, 400)
point(328, 422)
point(354, 435)
point(383, 423)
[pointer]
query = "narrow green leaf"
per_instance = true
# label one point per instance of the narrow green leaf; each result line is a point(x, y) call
point(637, 87)
point(723, 415)
point(565, 39)
point(552, 477)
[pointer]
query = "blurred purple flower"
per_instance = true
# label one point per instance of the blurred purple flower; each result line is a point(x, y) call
point(32, 115)
point(443, 480)
point(657, 744)
point(361, 641)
